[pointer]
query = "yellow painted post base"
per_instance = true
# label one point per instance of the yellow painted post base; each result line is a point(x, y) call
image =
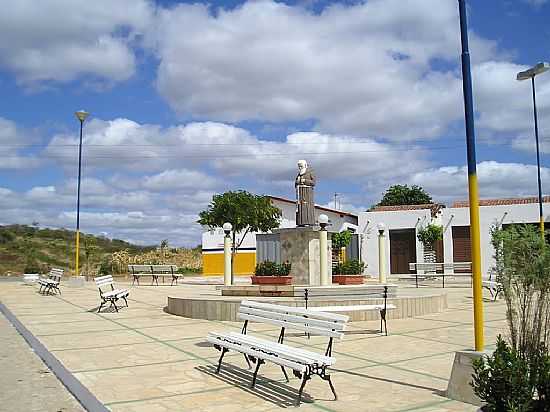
point(77, 253)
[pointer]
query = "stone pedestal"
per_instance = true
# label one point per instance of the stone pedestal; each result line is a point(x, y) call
point(459, 387)
point(300, 247)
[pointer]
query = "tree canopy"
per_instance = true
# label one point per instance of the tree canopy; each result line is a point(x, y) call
point(404, 195)
point(247, 212)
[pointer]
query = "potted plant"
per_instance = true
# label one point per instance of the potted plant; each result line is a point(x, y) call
point(516, 377)
point(428, 236)
point(340, 241)
point(271, 273)
point(349, 272)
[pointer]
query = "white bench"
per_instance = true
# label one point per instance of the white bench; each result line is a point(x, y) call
point(51, 282)
point(493, 287)
point(351, 292)
point(111, 296)
point(304, 363)
point(30, 278)
point(155, 271)
point(432, 269)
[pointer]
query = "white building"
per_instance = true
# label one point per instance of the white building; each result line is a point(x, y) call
point(245, 260)
point(403, 222)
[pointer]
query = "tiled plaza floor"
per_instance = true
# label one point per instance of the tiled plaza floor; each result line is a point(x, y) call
point(143, 359)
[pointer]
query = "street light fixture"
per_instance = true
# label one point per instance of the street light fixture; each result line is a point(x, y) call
point(526, 75)
point(81, 115)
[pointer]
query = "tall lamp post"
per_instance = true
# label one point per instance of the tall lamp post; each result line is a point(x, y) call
point(526, 75)
point(80, 115)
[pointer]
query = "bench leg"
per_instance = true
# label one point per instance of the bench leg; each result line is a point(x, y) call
point(327, 378)
point(383, 319)
point(220, 360)
point(114, 304)
point(125, 301)
point(284, 373)
point(247, 361)
point(258, 364)
point(100, 306)
point(304, 380)
point(416, 280)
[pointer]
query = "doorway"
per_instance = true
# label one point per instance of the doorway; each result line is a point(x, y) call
point(402, 250)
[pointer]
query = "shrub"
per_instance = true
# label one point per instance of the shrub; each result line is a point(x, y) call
point(350, 267)
point(268, 268)
point(342, 239)
point(523, 268)
point(32, 267)
point(430, 234)
point(502, 380)
point(105, 268)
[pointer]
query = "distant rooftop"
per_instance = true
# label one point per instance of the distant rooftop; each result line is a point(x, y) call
point(503, 202)
point(433, 207)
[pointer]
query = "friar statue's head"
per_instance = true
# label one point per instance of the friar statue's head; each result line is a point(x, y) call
point(302, 167)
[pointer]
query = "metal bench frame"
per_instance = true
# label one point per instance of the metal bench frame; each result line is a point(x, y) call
point(51, 282)
point(112, 298)
point(435, 266)
point(383, 308)
point(156, 272)
point(258, 355)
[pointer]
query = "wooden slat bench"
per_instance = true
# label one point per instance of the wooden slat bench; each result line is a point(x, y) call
point(155, 271)
point(351, 292)
point(432, 268)
point(110, 296)
point(304, 363)
point(51, 283)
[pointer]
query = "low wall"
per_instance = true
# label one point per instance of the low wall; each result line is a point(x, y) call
point(226, 308)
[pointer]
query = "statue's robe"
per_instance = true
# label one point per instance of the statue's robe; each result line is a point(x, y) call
point(305, 204)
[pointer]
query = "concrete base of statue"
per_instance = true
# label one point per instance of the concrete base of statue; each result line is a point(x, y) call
point(300, 247)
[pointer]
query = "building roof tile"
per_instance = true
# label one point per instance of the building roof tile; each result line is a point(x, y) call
point(503, 202)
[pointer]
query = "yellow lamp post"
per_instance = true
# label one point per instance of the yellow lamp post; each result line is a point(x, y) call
point(81, 115)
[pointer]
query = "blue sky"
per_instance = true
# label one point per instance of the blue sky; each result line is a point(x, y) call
point(191, 99)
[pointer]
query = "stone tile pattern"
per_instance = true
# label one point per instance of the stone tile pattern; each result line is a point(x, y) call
point(144, 359)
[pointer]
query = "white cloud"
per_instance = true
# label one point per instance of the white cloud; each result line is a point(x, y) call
point(179, 180)
point(364, 69)
point(13, 141)
point(60, 40)
point(536, 3)
point(496, 180)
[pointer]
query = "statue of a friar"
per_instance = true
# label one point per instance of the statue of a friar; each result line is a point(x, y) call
point(305, 206)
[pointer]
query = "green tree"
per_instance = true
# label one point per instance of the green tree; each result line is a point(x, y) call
point(397, 195)
point(247, 212)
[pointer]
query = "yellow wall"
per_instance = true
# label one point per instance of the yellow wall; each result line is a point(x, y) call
point(244, 263)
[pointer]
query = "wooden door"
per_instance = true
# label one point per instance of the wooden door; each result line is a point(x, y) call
point(462, 248)
point(402, 250)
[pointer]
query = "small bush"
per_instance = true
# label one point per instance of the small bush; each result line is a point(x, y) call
point(350, 267)
point(269, 268)
point(342, 239)
point(32, 268)
point(430, 234)
point(502, 380)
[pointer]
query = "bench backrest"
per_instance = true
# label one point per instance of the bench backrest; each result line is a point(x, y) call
point(152, 269)
point(55, 275)
point(103, 281)
point(318, 323)
point(440, 266)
